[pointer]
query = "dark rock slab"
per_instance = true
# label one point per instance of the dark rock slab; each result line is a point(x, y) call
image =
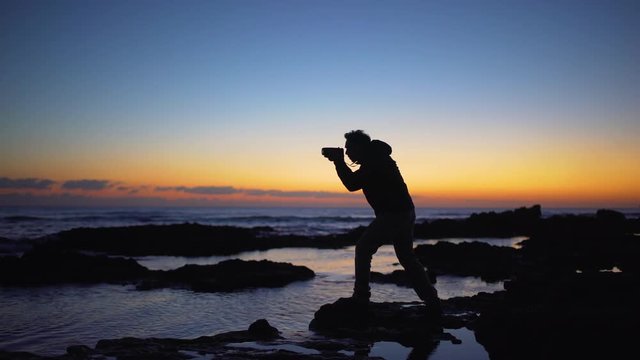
point(188, 239)
point(149, 348)
point(261, 329)
point(178, 239)
point(521, 221)
point(577, 316)
point(12, 247)
point(405, 323)
point(220, 346)
point(22, 355)
point(230, 275)
point(38, 268)
point(43, 268)
point(397, 277)
point(491, 263)
point(573, 294)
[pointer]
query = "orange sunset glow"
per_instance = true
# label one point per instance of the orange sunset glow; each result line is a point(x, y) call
point(537, 107)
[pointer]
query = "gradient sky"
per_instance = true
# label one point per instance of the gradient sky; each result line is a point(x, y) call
point(486, 103)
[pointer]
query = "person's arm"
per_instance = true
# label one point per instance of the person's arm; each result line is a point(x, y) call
point(351, 180)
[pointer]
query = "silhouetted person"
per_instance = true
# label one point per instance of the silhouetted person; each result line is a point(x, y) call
point(385, 190)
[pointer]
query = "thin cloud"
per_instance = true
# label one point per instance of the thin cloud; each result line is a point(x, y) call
point(86, 184)
point(129, 189)
point(164, 188)
point(209, 190)
point(28, 183)
point(201, 190)
point(228, 190)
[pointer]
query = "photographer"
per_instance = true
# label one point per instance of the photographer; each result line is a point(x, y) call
point(387, 193)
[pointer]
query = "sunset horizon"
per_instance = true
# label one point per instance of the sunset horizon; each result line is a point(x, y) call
point(92, 193)
point(225, 103)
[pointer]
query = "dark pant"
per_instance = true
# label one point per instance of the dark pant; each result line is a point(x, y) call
point(399, 228)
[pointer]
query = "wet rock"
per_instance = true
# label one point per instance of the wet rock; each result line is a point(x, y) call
point(134, 348)
point(21, 355)
point(14, 247)
point(230, 275)
point(44, 268)
point(583, 316)
point(177, 239)
point(491, 263)
point(220, 346)
point(38, 268)
point(397, 277)
point(344, 313)
point(188, 239)
point(560, 302)
point(406, 323)
point(79, 351)
point(521, 221)
point(261, 329)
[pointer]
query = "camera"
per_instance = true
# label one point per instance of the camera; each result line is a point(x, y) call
point(332, 152)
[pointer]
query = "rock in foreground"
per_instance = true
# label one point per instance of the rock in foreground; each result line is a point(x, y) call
point(260, 341)
point(566, 316)
point(405, 323)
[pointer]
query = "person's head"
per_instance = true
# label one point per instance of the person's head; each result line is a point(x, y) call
point(356, 145)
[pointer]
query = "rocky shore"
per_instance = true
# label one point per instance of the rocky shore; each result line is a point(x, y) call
point(192, 239)
point(38, 268)
point(571, 290)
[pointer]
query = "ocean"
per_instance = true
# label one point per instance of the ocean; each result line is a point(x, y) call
point(45, 320)
point(26, 222)
point(32, 222)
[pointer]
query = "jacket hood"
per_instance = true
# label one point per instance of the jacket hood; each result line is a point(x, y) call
point(379, 148)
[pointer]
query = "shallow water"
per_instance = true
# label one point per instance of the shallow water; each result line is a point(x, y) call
point(48, 319)
point(513, 242)
point(468, 349)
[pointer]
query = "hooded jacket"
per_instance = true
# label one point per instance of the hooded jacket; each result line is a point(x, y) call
point(379, 178)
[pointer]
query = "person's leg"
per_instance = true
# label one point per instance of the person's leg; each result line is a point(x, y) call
point(403, 245)
point(366, 246)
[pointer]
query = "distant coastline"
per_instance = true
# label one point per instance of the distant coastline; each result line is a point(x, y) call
point(27, 222)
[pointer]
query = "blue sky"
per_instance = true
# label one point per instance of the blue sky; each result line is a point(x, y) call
point(132, 83)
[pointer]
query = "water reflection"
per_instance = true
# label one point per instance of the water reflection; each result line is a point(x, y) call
point(467, 349)
point(48, 319)
point(287, 347)
point(319, 260)
point(336, 267)
point(393, 351)
point(513, 242)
